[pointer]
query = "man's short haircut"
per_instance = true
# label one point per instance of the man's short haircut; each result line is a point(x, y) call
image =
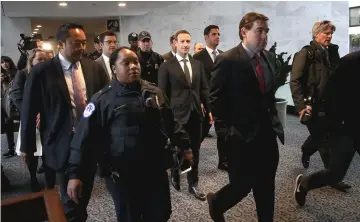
point(104, 34)
point(248, 20)
point(181, 32)
point(63, 31)
point(322, 26)
point(207, 30)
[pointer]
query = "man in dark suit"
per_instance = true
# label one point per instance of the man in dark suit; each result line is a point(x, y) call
point(58, 89)
point(340, 94)
point(183, 80)
point(242, 98)
point(207, 58)
point(108, 43)
point(172, 53)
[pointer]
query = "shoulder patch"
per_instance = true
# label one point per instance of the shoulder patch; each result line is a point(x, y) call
point(89, 109)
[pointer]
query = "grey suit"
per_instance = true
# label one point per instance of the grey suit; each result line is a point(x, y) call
point(248, 119)
point(168, 55)
point(101, 62)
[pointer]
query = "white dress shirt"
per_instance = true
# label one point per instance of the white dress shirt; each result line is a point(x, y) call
point(179, 58)
point(67, 69)
point(210, 51)
point(107, 64)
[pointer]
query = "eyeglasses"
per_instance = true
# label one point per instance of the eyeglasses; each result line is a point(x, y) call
point(112, 42)
point(79, 42)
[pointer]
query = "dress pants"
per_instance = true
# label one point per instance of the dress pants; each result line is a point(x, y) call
point(193, 128)
point(318, 139)
point(73, 212)
point(205, 127)
point(220, 144)
point(141, 197)
point(342, 150)
point(251, 166)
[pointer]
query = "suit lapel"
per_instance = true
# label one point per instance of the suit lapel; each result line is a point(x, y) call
point(88, 78)
point(104, 65)
point(245, 61)
point(59, 75)
point(207, 56)
point(195, 74)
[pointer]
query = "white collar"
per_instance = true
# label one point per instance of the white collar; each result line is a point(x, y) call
point(105, 57)
point(179, 58)
point(173, 53)
point(65, 64)
point(210, 51)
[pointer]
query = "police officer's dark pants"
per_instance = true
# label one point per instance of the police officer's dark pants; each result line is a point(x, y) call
point(251, 165)
point(342, 150)
point(140, 197)
point(193, 128)
point(73, 212)
point(318, 139)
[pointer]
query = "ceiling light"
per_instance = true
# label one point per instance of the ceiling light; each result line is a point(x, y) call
point(36, 29)
point(122, 4)
point(39, 26)
point(34, 32)
point(63, 4)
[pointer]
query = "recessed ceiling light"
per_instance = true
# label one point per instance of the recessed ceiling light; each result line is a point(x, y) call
point(122, 4)
point(36, 29)
point(39, 26)
point(63, 4)
point(34, 32)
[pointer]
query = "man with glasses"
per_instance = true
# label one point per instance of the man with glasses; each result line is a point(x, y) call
point(150, 61)
point(311, 69)
point(108, 43)
point(59, 89)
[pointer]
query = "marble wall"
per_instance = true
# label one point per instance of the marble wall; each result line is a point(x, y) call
point(290, 24)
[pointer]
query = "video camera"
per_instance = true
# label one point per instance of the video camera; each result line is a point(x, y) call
point(28, 43)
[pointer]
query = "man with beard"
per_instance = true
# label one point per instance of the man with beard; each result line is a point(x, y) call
point(242, 96)
point(108, 43)
point(150, 61)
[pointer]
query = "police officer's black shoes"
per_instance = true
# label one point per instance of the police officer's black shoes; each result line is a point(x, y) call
point(9, 154)
point(299, 192)
point(197, 194)
point(343, 187)
point(215, 216)
point(305, 160)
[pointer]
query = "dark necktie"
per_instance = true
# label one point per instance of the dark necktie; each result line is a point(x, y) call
point(79, 94)
point(186, 71)
point(260, 73)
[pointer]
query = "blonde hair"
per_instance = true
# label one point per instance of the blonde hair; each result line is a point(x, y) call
point(322, 26)
point(31, 57)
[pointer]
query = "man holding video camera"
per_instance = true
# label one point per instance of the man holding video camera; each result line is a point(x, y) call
point(312, 66)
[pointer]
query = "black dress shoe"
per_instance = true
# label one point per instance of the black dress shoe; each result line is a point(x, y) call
point(197, 194)
point(41, 169)
point(305, 160)
point(343, 187)
point(223, 166)
point(215, 216)
point(9, 154)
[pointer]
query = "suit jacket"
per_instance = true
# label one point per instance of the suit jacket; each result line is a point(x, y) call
point(17, 88)
point(204, 57)
point(182, 94)
point(237, 103)
point(101, 62)
point(168, 56)
point(46, 92)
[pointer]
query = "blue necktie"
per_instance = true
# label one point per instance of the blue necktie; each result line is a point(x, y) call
point(214, 54)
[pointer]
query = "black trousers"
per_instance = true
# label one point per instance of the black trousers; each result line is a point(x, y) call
point(251, 166)
point(220, 144)
point(73, 212)
point(318, 140)
point(141, 198)
point(194, 128)
point(342, 150)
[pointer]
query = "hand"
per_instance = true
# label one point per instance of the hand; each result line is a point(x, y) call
point(211, 119)
point(38, 121)
point(203, 109)
point(306, 110)
point(2, 77)
point(74, 189)
point(187, 154)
